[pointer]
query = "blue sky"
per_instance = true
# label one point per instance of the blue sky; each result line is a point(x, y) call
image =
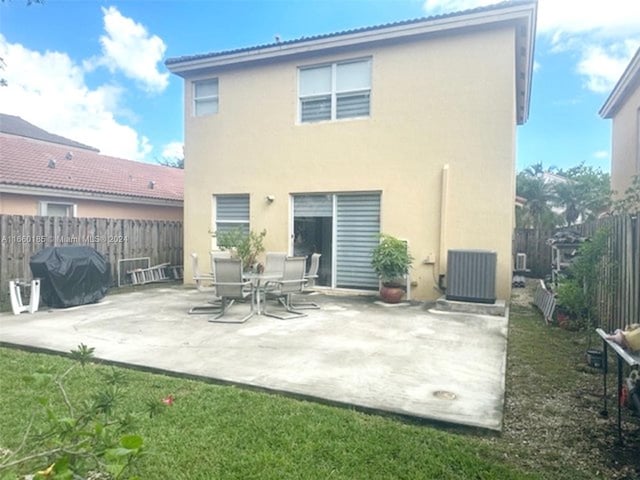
point(93, 70)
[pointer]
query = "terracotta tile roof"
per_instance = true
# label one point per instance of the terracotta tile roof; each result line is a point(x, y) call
point(26, 161)
point(17, 126)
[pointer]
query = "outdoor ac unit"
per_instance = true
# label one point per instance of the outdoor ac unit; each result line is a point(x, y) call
point(521, 261)
point(471, 276)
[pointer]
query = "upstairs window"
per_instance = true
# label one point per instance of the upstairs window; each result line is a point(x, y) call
point(335, 91)
point(205, 97)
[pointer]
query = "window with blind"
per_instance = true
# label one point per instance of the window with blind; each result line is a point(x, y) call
point(232, 212)
point(335, 91)
point(205, 97)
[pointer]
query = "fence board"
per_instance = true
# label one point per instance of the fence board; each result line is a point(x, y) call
point(618, 283)
point(21, 236)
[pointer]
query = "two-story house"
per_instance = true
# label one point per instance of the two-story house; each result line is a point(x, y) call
point(406, 128)
point(623, 108)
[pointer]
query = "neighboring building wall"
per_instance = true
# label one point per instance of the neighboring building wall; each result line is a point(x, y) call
point(13, 204)
point(446, 101)
point(625, 158)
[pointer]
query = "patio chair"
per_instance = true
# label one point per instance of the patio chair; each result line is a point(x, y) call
point(274, 263)
point(213, 254)
point(230, 287)
point(310, 277)
point(201, 279)
point(292, 281)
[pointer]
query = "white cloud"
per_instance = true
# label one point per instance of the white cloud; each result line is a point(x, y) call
point(601, 154)
point(49, 90)
point(129, 48)
point(173, 150)
point(602, 66)
point(604, 34)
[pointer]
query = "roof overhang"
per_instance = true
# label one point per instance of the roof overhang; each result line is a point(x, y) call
point(85, 195)
point(519, 14)
point(629, 81)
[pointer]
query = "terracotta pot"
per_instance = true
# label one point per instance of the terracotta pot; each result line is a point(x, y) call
point(391, 294)
point(563, 320)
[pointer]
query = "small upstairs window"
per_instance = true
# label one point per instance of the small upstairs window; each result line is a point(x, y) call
point(205, 97)
point(335, 91)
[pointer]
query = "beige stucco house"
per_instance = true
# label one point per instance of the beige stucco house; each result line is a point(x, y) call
point(623, 107)
point(407, 128)
point(46, 174)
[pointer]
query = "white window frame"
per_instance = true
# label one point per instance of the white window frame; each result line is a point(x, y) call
point(215, 221)
point(197, 99)
point(333, 93)
point(43, 208)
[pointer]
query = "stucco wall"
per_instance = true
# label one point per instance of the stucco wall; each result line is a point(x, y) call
point(625, 158)
point(14, 204)
point(443, 101)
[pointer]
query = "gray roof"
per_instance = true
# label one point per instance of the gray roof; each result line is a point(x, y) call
point(186, 58)
point(14, 125)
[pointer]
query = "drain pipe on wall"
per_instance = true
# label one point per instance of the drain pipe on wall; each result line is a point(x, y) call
point(442, 254)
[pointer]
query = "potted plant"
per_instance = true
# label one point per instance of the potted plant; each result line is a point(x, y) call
point(246, 247)
point(391, 261)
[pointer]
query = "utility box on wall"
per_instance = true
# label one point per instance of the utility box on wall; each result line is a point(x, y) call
point(471, 276)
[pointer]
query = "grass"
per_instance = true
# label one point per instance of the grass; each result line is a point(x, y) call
point(214, 431)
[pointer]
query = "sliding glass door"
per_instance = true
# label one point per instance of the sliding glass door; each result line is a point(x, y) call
point(344, 229)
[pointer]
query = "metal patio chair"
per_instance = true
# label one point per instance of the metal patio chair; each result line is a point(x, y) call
point(213, 254)
point(201, 280)
point(274, 263)
point(292, 281)
point(310, 277)
point(230, 287)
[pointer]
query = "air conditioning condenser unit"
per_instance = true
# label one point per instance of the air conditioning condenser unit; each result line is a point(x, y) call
point(471, 276)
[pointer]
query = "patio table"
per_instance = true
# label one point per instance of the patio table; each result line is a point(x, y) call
point(622, 355)
point(258, 282)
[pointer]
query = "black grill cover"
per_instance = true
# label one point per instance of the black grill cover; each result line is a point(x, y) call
point(70, 275)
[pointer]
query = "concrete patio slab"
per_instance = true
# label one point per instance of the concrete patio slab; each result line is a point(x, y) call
point(447, 367)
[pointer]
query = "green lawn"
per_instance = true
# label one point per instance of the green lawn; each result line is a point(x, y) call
point(214, 431)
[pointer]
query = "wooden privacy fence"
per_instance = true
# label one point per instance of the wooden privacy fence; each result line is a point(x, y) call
point(116, 239)
point(533, 242)
point(618, 282)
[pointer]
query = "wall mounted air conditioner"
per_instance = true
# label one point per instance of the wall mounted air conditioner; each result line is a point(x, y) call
point(471, 276)
point(521, 262)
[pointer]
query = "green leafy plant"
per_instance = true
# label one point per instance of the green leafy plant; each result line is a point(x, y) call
point(89, 440)
point(391, 259)
point(578, 292)
point(246, 247)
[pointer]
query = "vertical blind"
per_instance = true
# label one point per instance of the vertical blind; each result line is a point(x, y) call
point(232, 211)
point(358, 226)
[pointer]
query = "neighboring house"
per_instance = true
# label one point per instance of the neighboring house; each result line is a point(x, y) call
point(407, 128)
point(45, 174)
point(623, 107)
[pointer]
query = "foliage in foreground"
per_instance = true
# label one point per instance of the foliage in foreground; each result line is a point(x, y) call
point(70, 439)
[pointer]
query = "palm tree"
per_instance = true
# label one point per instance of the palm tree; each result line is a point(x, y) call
point(537, 211)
